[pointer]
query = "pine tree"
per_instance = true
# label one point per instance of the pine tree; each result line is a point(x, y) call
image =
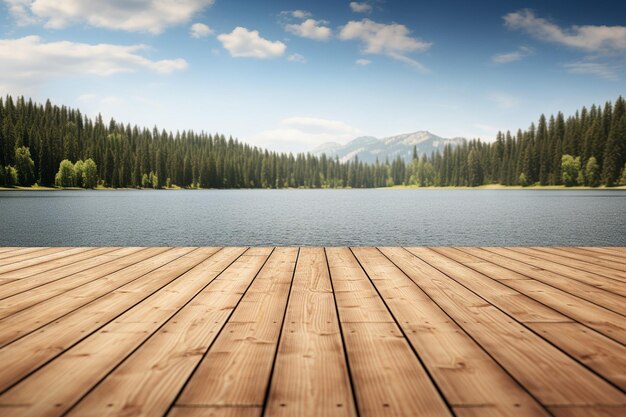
point(109, 168)
point(46, 166)
point(544, 154)
point(614, 152)
point(474, 168)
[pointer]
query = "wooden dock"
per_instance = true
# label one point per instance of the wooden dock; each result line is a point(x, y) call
point(301, 332)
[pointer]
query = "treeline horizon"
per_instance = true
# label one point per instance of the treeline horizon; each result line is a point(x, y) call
point(47, 144)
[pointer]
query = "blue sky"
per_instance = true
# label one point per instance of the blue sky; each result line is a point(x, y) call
point(290, 75)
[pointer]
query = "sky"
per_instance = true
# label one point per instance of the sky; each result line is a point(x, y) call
point(292, 75)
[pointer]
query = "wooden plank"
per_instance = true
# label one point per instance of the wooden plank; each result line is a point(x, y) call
point(467, 376)
point(49, 271)
point(99, 267)
point(575, 266)
point(310, 377)
point(8, 252)
point(215, 412)
point(236, 370)
point(61, 333)
point(475, 322)
point(615, 251)
point(485, 266)
point(598, 352)
point(602, 320)
point(580, 346)
point(147, 383)
point(597, 253)
point(584, 256)
point(588, 411)
point(552, 376)
point(98, 256)
point(387, 376)
point(32, 265)
point(56, 387)
point(20, 254)
point(357, 299)
point(8, 248)
point(586, 277)
point(603, 292)
point(25, 254)
point(37, 316)
point(519, 306)
point(586, 262)
point(556, 412)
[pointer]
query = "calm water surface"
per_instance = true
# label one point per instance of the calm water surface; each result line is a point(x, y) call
point(313, 217)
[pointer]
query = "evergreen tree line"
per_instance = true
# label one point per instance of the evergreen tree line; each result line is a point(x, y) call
point(47, 144)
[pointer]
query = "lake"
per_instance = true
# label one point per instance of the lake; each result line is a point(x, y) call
point(313, 217)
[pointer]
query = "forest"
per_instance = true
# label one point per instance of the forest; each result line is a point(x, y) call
point(52, 145)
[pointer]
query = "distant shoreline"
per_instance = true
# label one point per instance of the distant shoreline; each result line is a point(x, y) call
point(395, 187)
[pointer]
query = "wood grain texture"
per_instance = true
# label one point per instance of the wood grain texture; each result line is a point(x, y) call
point(370, 332)
point(310, 377)
point(589, 411)
point(53, 389)
point(113, 292)
point(512, 302)
point(605, 293)
point(602, 320)
point(236, 371)
point(54, 258)
point(619, 252)
point(544, 370)
point(16, 254)
point(586, 276)
point(215, 412)
point(148, 382)
point(84, 315)
point(604, 356)
point(575, 262)
point(105, 264)
point(388, 378)
point(466, 374)
point(592, 258)
point(37, 275)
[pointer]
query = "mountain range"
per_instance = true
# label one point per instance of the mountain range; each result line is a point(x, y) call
point(369, 148)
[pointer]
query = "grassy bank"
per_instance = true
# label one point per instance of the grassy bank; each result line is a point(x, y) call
point(395, 187)
point(506, 187)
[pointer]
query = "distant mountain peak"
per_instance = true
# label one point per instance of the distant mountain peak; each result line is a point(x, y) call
point(369, 148)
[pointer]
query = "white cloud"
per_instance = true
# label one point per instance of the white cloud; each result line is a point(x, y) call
point(200, 30)
point(593, 68)
point(363, 62)
point(137, 16)
point(297, 58)
point(27, 61)
point(310, 28)
point(20, 10)
point(298, 14)
point(503, 100)
point(518, 54)
point(302, 133)
point(587, 37)
point(360, 7)
point(244, 43)
point(393, 40)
